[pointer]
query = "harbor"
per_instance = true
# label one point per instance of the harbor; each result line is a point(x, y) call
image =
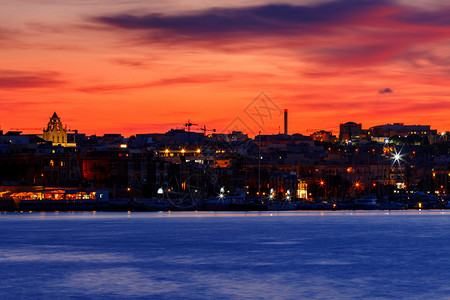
point(72, 199)
point(384, 167)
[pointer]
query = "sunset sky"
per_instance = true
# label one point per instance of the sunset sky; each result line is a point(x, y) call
point(148, 66)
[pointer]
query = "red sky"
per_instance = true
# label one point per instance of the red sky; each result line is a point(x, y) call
point(136, 66)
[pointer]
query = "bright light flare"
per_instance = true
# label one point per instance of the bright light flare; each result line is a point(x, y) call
point(397, 157)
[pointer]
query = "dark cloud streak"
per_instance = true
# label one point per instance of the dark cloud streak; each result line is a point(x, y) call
point(385, 91)
point(267, 19)
point(344, 33)
point(22, 80)
point(106, 88)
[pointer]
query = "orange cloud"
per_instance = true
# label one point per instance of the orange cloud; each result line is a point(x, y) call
point(147, 67)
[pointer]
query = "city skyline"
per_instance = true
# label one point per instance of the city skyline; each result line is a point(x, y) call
point(398, 129)
point(135, 67)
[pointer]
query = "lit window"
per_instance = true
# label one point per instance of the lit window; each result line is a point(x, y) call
point(52, 163)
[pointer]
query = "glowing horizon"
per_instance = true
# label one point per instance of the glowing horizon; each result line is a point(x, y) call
point(137, 67)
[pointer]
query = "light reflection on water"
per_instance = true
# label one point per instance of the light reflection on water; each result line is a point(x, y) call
point(226, 255)
point(200, 214)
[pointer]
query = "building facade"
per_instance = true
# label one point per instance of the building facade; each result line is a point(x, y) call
point(55, 132)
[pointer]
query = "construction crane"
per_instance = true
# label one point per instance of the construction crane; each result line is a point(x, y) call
point(188, 125)
point(22, 129)
point(205, 130)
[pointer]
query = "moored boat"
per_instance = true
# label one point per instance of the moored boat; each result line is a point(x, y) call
point(366, 203)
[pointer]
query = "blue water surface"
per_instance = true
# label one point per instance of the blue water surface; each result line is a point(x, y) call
point(207, 255)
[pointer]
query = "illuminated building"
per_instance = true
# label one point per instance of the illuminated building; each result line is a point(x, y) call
point(55, 131)
point(381, 132)
point(302, 189)
point(323, 136)
point(352, 131)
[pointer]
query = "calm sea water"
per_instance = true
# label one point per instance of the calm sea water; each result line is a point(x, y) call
point(205, 255)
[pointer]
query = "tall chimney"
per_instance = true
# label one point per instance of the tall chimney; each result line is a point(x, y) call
point(285, 121)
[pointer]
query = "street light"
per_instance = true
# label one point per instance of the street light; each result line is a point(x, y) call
point(322, 185)
point(397, 158)
point(222, 193)
point(288, 195)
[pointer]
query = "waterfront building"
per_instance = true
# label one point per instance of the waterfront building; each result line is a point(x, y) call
point(38, 164)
